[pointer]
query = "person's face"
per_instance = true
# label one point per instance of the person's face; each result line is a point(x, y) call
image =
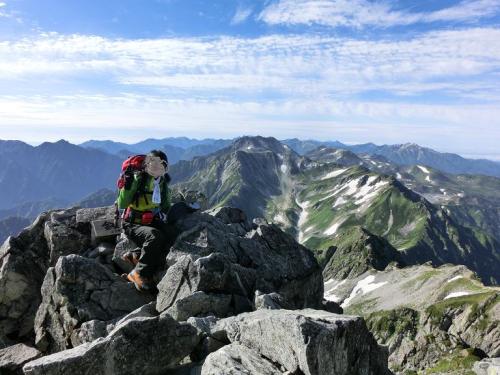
point(155, 166)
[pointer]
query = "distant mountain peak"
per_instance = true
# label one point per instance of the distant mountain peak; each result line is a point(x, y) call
point(258, 143)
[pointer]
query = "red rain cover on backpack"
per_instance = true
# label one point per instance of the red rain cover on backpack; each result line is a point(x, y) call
point(129, 166)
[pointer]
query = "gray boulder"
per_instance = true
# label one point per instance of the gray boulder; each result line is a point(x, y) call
point(310, 341)
point(145, 345)
point(220, 255)
point(213, 338)
point(200, 303)
point(78, 290)
point(23, 263)
point(84, 216)
point(211, 274)
point(64, 236)
point(24, 260)
point(14, 357)
point(236, 359)
point(271, 301)
point(94, 329)
point(487, 366)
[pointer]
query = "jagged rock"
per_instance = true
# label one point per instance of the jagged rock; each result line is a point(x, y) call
point(269, 301)
point(63, 235)
point(215, 257)
point(332, 307)
point(23, 263)
point(418, 340)
point(235, 359)
point(78, 290)
point(355, 251)
point(84, 216)
point(229, 215)
point(14, 357)
point(487, 366)
point(94, 329)
point(146, 345)
point(212, 327)
point(210, 274)
point(200, 303)
point(317, 342)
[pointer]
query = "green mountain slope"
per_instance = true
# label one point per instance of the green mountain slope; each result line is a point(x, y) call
point(314, 201)
point(434, 320)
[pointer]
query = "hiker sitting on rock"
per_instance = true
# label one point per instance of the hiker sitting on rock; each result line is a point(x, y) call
point(145, 197)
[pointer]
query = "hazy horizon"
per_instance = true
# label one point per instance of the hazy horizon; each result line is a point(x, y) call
point(468, 156)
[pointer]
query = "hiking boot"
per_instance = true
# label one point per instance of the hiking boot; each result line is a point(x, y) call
point(141, 283)
point(131, 257)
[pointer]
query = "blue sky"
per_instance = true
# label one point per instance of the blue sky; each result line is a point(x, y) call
point(358, 71)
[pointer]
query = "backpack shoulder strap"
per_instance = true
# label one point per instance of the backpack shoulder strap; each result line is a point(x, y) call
point(141, 187)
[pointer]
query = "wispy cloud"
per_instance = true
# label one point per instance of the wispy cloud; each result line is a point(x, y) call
point(283, 85)
point(3, 13)
point(241, 15)
point(360, 13)
point(453, 63)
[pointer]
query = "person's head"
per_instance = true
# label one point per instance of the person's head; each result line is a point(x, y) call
point(156, 163)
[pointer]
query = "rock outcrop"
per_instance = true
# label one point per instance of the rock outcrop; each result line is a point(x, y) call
point(315, 341)
point(24, 261)
point(139, 345)
point(219, 263)
point(233, 293)
point(14, 357)
point(79, 290)
point(487, 366)
point(311, 342)
point(427, 316)
point(355, 251)
point(238, 359)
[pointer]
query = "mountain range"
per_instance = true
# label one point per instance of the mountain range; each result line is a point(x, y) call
point(425, 213)
point(314, 199)
point(412, 248)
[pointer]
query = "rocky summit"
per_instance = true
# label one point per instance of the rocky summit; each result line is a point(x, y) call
point(234, 297)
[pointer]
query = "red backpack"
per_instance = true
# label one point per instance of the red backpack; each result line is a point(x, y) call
point(132, 164)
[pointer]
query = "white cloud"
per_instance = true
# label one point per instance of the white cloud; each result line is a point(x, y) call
point(359, 13)
point(219, 86)
point(460, 63)
point(241, 15)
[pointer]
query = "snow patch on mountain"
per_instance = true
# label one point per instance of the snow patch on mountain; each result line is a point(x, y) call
point(339, 201)
point(333, 174)
point(455, 278)
point(423, 169)
point(389, 224)
point(330, 286)
point(279, 218)
point(457, 294)
point(302, 218)
point(333, 228)
point(363, 286)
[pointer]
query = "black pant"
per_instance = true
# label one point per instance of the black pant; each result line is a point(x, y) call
point(155, 241)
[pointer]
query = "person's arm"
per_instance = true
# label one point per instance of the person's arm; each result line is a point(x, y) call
point(125, 196)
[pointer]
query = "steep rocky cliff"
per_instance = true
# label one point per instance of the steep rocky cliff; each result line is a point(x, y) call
point(235, 298)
